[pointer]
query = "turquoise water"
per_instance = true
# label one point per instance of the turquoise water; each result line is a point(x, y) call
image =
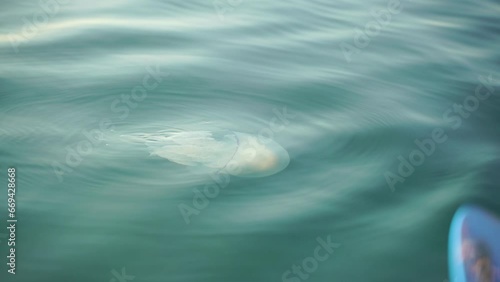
point(353, 106)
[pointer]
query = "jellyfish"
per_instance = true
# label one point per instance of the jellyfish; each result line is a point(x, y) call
point(237, 153)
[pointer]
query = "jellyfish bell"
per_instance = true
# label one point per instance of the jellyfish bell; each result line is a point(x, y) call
point(257, 158)
point(235, 153)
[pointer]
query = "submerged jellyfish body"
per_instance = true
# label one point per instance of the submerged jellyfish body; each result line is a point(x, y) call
point(237, 153)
